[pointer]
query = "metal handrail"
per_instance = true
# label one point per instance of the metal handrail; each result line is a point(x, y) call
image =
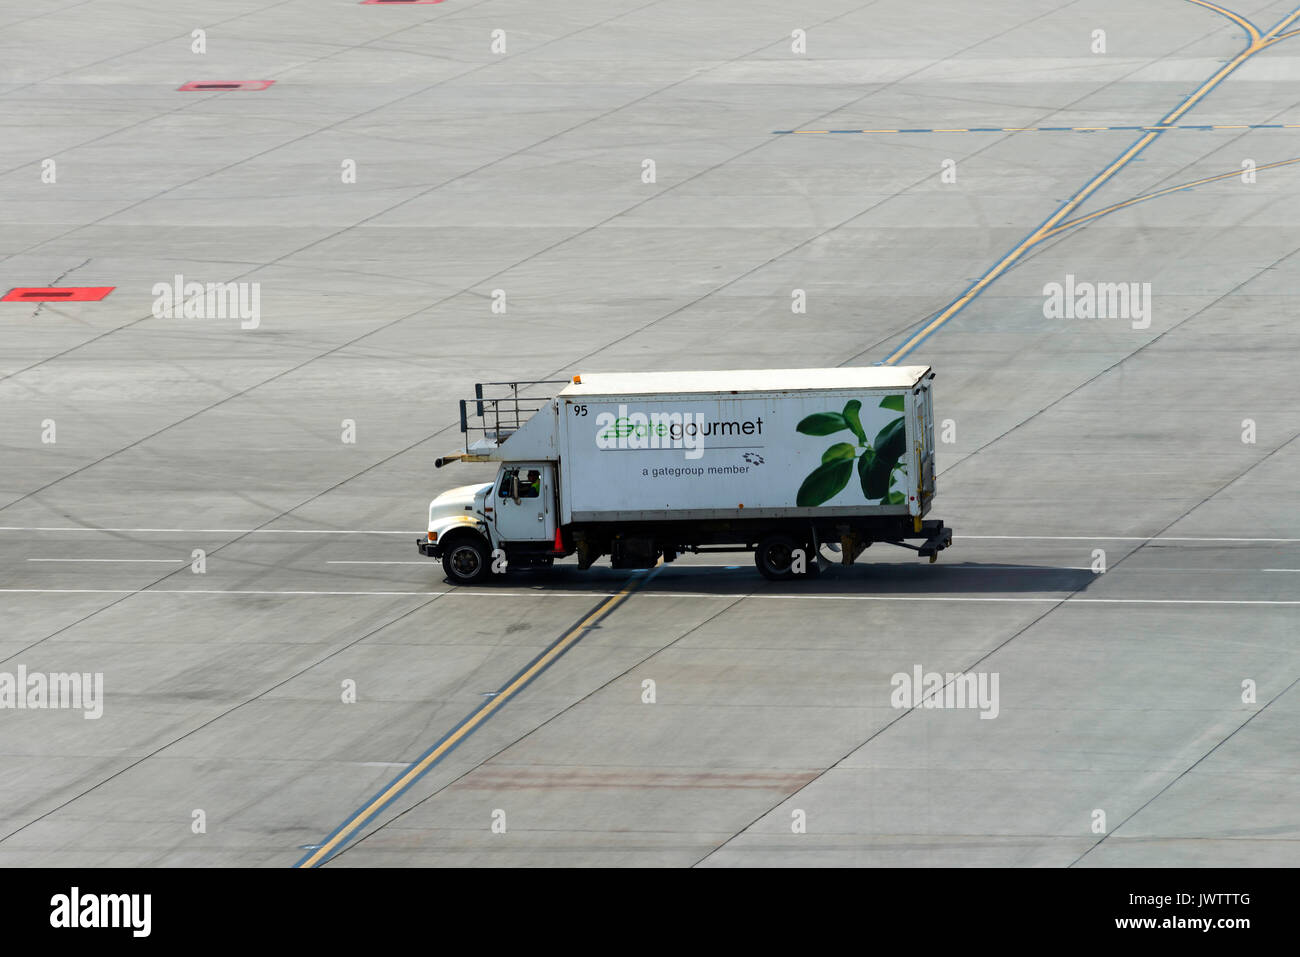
point(504, 421)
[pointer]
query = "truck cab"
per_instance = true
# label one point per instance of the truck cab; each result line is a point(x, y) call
point(522, 506)
point(511, 521)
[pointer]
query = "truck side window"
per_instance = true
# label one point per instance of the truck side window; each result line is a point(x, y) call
point(530, 483)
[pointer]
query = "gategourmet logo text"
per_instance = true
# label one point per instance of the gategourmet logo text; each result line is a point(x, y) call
point(667, 430)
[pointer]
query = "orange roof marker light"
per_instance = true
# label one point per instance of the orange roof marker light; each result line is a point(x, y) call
point(577, 380)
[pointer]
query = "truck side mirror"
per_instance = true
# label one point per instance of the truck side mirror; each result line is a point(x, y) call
point(514, 487)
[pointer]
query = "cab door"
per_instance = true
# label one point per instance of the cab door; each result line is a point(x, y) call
point(532, 518)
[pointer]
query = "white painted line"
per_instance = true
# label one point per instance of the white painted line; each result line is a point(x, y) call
point(957, 534)
point(1113, 538)
point(136, 561)
point(954, 567)
point(682, 563)
point(212, 531)
point(427, 561)
point(1063, 601)
point(542, 593)
point(990, 568)
point(218, 591)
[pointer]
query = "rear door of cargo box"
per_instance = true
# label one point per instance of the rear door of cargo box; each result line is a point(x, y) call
point(922, 416)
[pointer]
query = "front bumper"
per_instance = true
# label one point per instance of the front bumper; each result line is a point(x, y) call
point(428, 549)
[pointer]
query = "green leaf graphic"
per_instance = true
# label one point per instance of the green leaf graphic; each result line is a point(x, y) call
point(840, 450)
point(855, 422)
point(892, 402)
point(890, 445)
point(864, 468)
point(825, 482)
point(897, 498)
point(822, 423)
point(894, 433)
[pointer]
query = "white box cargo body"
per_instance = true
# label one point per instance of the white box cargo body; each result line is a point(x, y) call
point(698, 445)
point(643, 465)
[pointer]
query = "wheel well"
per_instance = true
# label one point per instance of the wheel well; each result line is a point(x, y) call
point(455, 535)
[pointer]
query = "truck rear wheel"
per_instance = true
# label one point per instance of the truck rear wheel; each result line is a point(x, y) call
point(466, 559)
point(775, 557)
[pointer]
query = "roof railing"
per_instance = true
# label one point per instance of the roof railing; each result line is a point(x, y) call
point(496, 414)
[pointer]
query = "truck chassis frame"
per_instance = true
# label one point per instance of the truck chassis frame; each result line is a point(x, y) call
point(632, 545)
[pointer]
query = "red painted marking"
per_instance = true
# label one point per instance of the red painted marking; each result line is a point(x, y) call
point(57, 294)
point(223, 86)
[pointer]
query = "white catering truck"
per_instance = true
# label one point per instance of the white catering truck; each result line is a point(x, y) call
point(787, 463)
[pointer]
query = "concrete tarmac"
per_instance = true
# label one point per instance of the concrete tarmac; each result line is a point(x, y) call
point(182, 511)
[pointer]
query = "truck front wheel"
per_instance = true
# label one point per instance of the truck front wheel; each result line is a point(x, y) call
point(466, 560)
point(775, 557)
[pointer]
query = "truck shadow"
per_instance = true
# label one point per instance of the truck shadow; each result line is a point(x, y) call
point(884, 578)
